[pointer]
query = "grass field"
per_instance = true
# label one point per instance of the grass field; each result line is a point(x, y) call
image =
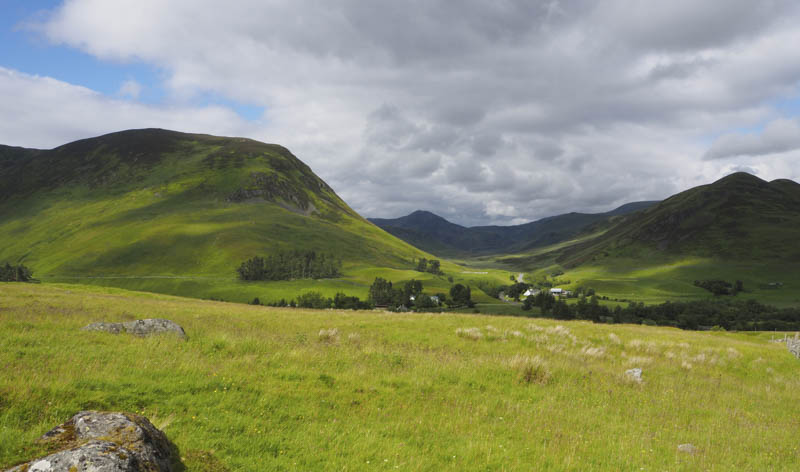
point(257, 388)
point(355, 282)
point(657, 281)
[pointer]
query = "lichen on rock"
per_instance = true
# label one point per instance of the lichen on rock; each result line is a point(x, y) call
point(104, 442)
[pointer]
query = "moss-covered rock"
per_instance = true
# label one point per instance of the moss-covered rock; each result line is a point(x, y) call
point(105, 442)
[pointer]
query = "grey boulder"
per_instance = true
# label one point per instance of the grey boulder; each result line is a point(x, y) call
point(634, 374)
point(104, 442)
point(142, 328)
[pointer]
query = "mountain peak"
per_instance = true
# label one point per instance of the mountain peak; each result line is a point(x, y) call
point(739, 178)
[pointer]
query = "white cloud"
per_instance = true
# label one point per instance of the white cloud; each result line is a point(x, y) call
point(44, 112)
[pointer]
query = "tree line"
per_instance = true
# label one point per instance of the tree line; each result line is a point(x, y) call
point(383, 293)
point(15, 273)
point(720, 287)
point(738, 315)
point(291, 265)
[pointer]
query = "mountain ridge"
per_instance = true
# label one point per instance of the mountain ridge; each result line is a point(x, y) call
point(737, 216)
point(436, 234)
point(154, 201)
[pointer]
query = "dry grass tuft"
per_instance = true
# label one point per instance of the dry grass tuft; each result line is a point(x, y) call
point(637, 360)
point(593, 351)
point(614, 339)
point(534, 327)
point(733, 353)
point(470, 333)
point(532, 370)
point(329, 335)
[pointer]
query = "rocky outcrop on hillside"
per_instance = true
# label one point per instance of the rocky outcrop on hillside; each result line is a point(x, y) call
point(141, 328)
point(104, 442)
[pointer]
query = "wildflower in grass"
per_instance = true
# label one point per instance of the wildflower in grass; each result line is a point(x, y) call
point(614, 338)
point(329, 335)
point(470, 333)
point(733, 353)
point(686, 365)
point(635, 344)
point(354, 337)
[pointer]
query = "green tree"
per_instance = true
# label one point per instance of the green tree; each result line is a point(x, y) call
point(381, 292)
point(460, 295)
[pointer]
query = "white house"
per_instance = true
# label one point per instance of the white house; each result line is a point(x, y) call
point(531, 292)
point(557, 291)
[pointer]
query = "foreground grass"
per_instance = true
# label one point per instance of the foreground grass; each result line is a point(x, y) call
point(257, 388)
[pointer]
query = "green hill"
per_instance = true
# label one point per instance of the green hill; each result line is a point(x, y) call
point(435, 234)
point(738, 228)
point(177, 213)
point(737, 217)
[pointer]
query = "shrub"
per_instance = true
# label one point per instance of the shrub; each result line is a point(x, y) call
point(15, 273)
point(313, 300)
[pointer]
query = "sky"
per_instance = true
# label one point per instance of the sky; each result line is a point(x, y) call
point(496, 112)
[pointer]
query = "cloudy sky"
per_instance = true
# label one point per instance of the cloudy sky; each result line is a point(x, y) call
point(481, 111)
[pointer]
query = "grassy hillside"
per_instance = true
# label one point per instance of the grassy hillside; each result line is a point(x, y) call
point(177, 213)
point(737, 217)
point(436, 235)
point(738, 228)
point(259, 389)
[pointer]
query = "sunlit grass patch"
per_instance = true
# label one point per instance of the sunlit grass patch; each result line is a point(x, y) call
point(257, 388)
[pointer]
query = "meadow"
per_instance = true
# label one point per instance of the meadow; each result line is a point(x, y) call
point(256, 388)
point(355, 281)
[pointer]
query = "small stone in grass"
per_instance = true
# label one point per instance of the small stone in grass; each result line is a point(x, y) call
point(687, 448)
point(634, 374)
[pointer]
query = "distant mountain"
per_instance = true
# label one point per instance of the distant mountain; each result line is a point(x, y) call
point(739, 217)
point(435, 234)
point(158, 202)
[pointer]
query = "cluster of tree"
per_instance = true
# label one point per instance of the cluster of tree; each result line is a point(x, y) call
point(383, 293)
point(15, 273)
point(460, 296)
point(291, 265)
point(491, 289)
point(316, 300)
point(720, 287)
point(432, 266)
point(701, 314)
point(410, 296)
